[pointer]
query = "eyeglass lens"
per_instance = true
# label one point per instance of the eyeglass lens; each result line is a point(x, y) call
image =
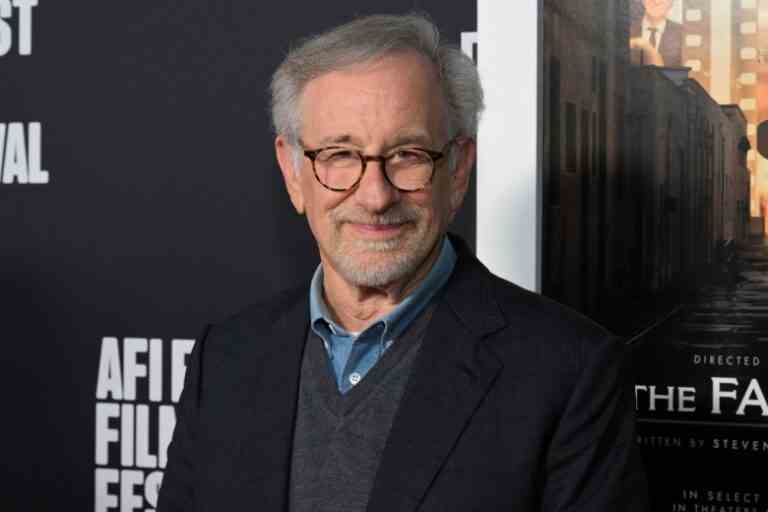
point(406, 169)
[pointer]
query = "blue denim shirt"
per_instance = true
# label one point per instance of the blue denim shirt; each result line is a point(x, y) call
point(353, 354)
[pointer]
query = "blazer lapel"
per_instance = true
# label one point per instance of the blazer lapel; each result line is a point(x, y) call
point(452, 374)
point(271, 365)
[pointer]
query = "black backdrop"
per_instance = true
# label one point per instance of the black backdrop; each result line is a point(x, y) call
point(164, 208)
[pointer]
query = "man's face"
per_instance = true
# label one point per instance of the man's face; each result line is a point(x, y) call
point(657, 10)
point(374, 235)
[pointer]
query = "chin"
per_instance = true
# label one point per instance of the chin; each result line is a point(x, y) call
point(378, 263)
point(377, 270)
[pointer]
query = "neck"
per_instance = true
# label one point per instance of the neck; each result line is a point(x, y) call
point(355, 307)
point(654, 22)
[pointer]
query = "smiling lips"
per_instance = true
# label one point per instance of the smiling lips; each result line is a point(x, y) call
point(382, 230)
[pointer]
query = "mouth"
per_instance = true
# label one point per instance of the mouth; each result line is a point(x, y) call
point(378, 230)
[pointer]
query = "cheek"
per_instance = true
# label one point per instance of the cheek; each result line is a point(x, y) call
point(435, 211)
point(319, 205)
point(444, 198)
point(317, 215)
point(319, 221)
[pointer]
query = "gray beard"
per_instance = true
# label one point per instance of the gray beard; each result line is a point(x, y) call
point(398, 265)
point(406, 253)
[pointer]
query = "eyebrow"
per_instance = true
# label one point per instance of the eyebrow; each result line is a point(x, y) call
point(338, 139)
point(421, 139)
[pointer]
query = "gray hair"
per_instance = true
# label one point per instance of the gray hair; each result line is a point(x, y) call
point(365, 39)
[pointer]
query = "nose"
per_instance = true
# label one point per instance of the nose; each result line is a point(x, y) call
point(374, 192)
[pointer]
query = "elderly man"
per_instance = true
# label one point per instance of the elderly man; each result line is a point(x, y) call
point(405, 376)
point(660, 38)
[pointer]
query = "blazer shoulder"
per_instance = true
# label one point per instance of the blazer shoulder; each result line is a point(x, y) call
point(255, 321)
point(265, 311)
point(554, 332)
point(551, 337)
point(482, 294)
point(541, 313)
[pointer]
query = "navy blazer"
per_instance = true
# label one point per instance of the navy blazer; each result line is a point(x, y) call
point(515, 403)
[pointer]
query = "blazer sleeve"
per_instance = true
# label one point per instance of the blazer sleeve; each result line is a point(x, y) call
point(592, 464)
point(177, 489)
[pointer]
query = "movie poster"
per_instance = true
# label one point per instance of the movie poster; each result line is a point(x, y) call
point(655, 190)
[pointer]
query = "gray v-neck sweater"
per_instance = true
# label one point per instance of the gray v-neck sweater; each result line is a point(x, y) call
point(339, 439)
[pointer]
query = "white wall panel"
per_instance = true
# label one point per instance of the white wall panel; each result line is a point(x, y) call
point(508, 184)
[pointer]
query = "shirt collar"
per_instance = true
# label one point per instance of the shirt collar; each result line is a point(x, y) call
point(659, 28)
point(399, 318)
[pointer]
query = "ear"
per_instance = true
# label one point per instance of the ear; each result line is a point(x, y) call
point(291, 175)
point(465, 161)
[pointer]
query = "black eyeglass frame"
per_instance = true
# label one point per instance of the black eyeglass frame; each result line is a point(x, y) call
point(364, 159)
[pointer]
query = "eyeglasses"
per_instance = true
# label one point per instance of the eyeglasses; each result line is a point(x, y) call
point(406, 169)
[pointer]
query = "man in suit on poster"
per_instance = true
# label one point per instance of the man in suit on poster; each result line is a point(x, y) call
point(657, 35)
point(405, 375)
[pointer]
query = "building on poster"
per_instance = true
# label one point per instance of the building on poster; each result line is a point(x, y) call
point(723, 50)
point(643, 169)
point(723, 44)
point(584, 87)
point(687, 161)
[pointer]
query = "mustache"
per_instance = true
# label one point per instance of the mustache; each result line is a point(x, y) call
point(396, 215)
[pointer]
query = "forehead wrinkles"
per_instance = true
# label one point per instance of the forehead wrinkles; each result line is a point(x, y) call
point(385, 90)
point(343, 109)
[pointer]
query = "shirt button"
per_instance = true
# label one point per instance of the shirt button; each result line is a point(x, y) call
point(354, 378)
